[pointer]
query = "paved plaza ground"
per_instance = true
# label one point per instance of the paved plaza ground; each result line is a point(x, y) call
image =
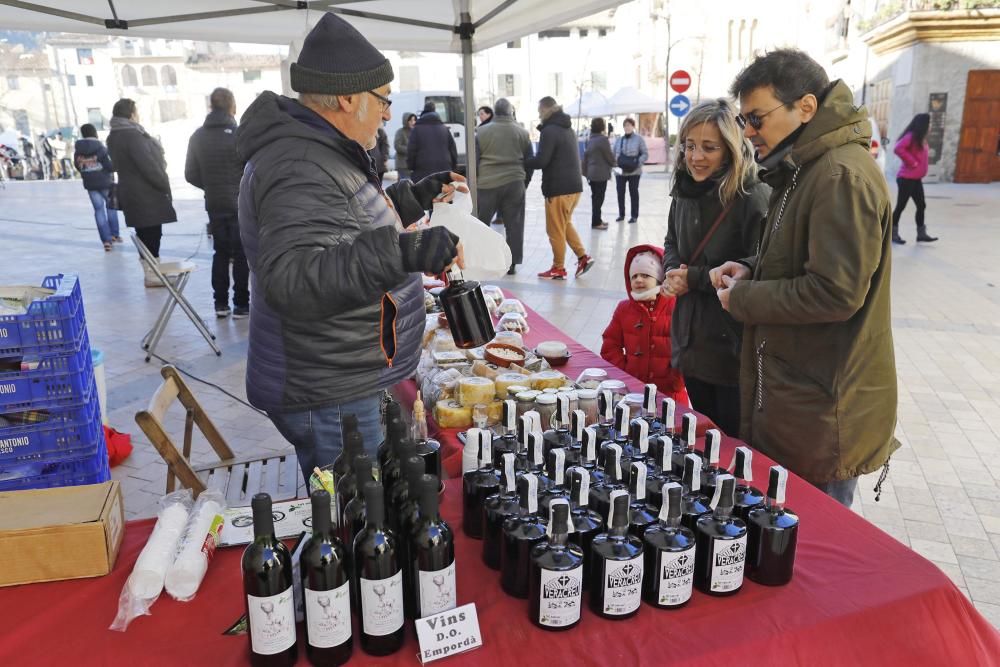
point(943, 494)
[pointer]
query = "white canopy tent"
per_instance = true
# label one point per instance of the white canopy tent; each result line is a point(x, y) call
point(587, 105)
point(629, 100)
point(445, 26)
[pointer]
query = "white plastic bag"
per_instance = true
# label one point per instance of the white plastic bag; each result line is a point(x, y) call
point(486, 252)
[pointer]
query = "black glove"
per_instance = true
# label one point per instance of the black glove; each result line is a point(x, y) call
point(428, 250)
point(429, 187)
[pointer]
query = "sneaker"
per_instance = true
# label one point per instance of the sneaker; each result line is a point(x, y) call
point(583, 265)
point(241, 312)
point(222, 311)
point(553, 274)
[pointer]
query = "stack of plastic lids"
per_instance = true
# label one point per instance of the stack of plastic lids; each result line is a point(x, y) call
point(50, 418)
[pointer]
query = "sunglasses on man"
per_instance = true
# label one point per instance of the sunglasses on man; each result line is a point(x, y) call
point(754, 120)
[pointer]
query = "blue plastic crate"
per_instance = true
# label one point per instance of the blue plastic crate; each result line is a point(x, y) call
point(54, 324)
point(59, 381)
point(68, 433)
point(90, 469)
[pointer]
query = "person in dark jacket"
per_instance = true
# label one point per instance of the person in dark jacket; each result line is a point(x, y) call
point(91, 159)
point(485, 115)
point(380, 154)
point(630, 155)
point(143, 186)
point(431, 148)
point(213, 166)
point(598, 161)
point(338, 309)
point(559, 159)
point(715, 179)
point(401, 143)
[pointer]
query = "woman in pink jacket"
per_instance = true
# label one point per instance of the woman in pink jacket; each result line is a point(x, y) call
point(912, 150)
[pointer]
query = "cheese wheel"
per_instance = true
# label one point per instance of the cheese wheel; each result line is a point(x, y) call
point(475, 389)
point(545, 379)
point(486, 370)
point(504, 380)
point(452, 414)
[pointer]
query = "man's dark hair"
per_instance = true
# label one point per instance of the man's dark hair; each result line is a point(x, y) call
point(790, 72)
point(222, 99)
point(88, 131)
point(597, 126)
point(124, 108)
point(429, 107)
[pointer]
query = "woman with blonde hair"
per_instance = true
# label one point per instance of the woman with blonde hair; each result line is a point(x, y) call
point(717, 209)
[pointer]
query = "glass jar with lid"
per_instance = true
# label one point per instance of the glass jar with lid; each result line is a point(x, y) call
point(515, 389)
point(545, 405)
point(634, 403)
point(526, 401)
point(616, 387)
point(587, 401)
point(574, 399)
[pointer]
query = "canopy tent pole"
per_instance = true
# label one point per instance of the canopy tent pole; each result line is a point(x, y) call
point(465, 31)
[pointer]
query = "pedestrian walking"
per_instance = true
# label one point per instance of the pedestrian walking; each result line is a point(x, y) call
point(431, 148)
point(380, 154)
point(400, 143)
point(91, 159)
point(598, 161)
point(143, 185)
point(558, 158)
point(485, 115)
point(630, 155)
point(213, 166)
point(912, 150)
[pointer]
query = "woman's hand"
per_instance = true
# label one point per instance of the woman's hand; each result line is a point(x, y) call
point(676, 282)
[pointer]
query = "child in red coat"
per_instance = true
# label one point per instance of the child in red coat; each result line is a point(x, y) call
point(638, 338)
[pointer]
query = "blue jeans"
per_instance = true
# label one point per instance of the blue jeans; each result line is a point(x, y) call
point(316, 434)
point(842, 491)
point(107, 218)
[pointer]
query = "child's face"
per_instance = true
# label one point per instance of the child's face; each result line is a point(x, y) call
point(641, 282)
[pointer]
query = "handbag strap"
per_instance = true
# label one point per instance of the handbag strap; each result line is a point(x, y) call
point(711, 231)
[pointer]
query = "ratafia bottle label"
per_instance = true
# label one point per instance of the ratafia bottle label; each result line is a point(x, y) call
point(272, 622)
point(676, 576)
point(728, 560)
point(622, 586)
point(328, 616)
point(561, 592)
point(437, 590)
point(382, 604)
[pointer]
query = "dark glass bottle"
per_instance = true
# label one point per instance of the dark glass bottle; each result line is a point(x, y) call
point(392, 473)
point(639, 442)
point(425, 447)
point(556, 471)
point(555, 588)
point(342, 464)
point(345, 485)
point(588, 456)
point(616, 569)
point(507, 440)
point(395, 429)
point(468, 317)
point(558, 436)
point(686, 441)
point(649, 409)
point(587, 523)
point(662, 473)
point(773, 534)
point(379, 576)
point(578, 422)
point(536, 460)
point(606, 417)
point(641, 515)
point(326, 589)
point(747, 497)
point(497, 509)
point(267, 587)
point(669, 554)
point(412, 468)
point(520, 534)
point(618, 436)
point(667, 435)
point(694, 504)
point(721, 544)
point(600, 495)
point(477, 486)
point(432, 556)
point(354, 515)
point(711, 469)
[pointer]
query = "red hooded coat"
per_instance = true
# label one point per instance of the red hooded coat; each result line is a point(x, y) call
point(638, 338)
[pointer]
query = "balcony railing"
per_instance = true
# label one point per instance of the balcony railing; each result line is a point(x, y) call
point(891, 10)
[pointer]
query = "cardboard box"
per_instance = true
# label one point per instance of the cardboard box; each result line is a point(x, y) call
point(62, 533)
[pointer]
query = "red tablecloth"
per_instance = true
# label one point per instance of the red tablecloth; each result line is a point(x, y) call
point(580, 359)
point(858, 597)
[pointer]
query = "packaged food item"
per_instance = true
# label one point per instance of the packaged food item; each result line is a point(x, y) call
point(513, 322)
point(545, 379)
point(475, 389)
point(512, 306)
point(591, 378)
point(494, 294)
point(552, 348)
point(446, 358)
point(442, 340)
point(476, 353)
point(452, 414)
point(505, 380)
point(616, 387)
point(509, 337)
point(486, 370)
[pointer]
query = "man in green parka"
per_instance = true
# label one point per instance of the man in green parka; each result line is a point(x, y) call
point(818, 373)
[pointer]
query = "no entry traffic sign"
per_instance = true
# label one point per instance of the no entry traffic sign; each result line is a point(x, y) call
point(680, 81)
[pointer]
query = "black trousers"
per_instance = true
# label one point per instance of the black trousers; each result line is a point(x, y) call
point(150, 237)
point(718, 402)
point(633, 190)
point(507, 201)
point(229, 248)
point(597, 191)
point(909, 187)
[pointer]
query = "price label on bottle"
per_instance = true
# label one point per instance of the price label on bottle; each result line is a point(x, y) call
point(448, 633)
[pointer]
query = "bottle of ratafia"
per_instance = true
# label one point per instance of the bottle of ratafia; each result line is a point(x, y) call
point(721, 544)
point(600, 495)
point(477, 486)
point(661, 472)
point(649, 409)
point(694, 503)
point(556, 577)
point(774, 532)
point(520, 534)
point(558, 436)
point(747, 497)
point(497, 509)
point(669, 554)
point(578, 422)
point(556, 469)
point(710, 469)
point(507, 440)
point(616, 569)
point(587, 523)
point(588, 456)
point(639, 442)
point(688, 438)
point(618, 436)
point(641, 515)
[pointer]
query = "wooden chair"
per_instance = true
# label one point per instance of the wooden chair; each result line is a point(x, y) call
point(237, 479)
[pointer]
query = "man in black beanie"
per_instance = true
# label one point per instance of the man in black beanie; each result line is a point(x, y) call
point(338, 313)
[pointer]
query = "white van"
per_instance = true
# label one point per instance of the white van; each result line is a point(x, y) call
point(448, 104)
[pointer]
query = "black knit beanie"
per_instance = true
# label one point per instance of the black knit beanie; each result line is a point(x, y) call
point(336, 59)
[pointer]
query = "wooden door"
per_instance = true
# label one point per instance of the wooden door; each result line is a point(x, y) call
point(979, 141)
